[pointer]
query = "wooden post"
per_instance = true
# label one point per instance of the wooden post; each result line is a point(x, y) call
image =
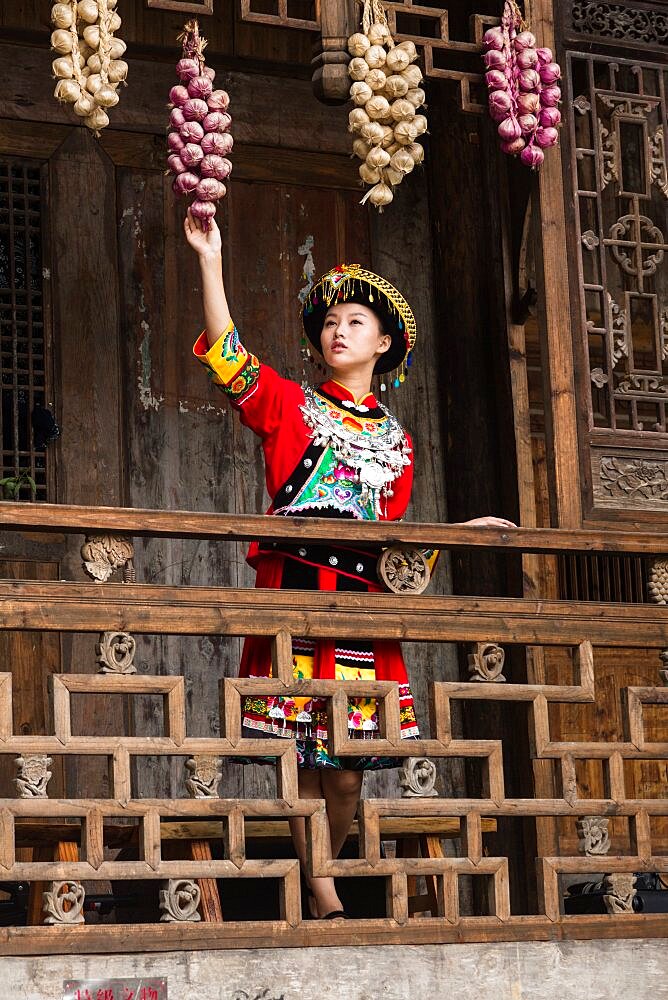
point(556, 337)
point(331, 83)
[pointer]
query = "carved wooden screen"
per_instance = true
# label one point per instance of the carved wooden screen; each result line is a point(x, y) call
point(22, 321)
point(617, 111)
point(639, 24)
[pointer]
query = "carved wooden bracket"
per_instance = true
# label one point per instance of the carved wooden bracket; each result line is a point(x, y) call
point(663, 671)
point(593, 835)
point(205, 776)
point(179, 901)
point(34, 775)
point(486, 662)
point(116, 652)
point(102, 554)
point(64, 903)
point(620, 890)
point(404, 570)
point(418, 778)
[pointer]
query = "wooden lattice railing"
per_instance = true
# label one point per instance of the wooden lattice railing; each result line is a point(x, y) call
point(86, 832)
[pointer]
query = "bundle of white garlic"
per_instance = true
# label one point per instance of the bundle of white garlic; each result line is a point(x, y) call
point(88, 64)
point(387, 95)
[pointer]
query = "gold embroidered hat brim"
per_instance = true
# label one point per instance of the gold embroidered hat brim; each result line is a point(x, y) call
point(353, 283)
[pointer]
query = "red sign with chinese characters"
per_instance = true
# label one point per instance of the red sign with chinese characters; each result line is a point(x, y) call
point(115, 989)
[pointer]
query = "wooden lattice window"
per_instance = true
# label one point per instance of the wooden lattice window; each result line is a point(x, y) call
point(304, 14)
point(23, 361)
point(620, 186)
point(449, 40)
point(622, 192)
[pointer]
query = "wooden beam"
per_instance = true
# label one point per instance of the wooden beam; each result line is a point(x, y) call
point(125, 939)
point(47, 606)
point(396, 815)
point(146, 151)
point(56, 518)
point(32, 833)
point(297, 121)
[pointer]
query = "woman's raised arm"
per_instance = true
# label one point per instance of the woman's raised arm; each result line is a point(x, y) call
point(208, 247)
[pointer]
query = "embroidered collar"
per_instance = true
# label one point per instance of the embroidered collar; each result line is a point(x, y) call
point(375, 451)
point(341, 396)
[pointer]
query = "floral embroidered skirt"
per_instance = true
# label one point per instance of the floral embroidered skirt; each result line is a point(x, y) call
point(305, 719)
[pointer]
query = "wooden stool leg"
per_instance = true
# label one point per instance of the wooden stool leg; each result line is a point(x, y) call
point(210, 907)
point(431, 847)
point(65, 850)
point(409, 847)
point(422, 846)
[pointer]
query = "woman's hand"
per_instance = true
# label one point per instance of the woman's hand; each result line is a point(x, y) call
point(208, 247)
point(490, 522)
point(205, 244)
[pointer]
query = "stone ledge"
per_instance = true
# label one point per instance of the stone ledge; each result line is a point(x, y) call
point(595, 970)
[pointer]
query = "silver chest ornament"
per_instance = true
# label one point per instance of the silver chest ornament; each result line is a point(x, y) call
point(377, 459)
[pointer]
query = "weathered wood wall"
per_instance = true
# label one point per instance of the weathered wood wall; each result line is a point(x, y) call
point(140, 423)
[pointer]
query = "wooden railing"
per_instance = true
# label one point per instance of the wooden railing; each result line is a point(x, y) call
point(83, 835)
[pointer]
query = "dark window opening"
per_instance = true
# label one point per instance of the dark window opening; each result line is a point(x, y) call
point(23, 364)
point(601, 577)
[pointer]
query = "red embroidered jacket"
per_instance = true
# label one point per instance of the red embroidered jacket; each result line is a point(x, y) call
point(272, 407)
point(296, 465)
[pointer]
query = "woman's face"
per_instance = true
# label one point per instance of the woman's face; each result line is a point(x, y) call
point(352, 337)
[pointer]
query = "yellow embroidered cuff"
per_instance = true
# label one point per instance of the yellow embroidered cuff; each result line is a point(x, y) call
point(227, 362)
point(225, 359)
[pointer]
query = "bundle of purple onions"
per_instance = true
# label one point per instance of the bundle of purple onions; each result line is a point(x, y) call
point(199, 140)
point(523, 89)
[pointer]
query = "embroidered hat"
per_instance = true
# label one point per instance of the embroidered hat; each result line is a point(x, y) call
point(352, 283)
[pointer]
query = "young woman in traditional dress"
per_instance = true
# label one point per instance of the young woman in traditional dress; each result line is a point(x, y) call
point(330, 451)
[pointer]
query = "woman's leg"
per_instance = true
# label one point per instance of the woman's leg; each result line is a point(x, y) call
point(323, 889)
point(342, 790)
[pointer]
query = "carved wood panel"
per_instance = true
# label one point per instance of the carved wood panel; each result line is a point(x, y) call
point(636, 23)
